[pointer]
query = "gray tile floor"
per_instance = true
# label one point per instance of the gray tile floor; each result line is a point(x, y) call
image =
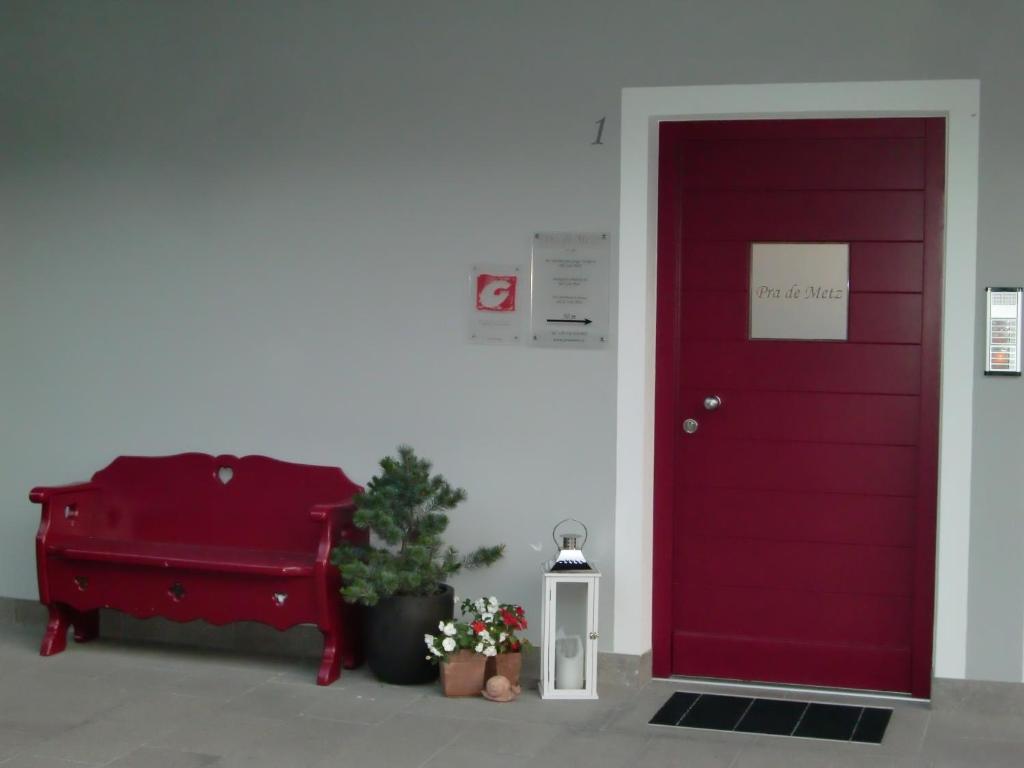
point(149, 706)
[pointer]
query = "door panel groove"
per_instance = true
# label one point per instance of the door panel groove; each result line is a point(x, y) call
point(744, 291)
point(769, 442)
point(851, 240)
point(738, 537)
point(795, 643)
point(695, 486)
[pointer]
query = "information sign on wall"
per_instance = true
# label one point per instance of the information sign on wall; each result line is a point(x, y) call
point(497, 296)
point(799, 290)
point(571, 290)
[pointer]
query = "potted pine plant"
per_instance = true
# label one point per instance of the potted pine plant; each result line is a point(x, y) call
point(401, 576)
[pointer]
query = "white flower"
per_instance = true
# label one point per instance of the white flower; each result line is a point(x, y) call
point(488, 617)
point(440, 625)
point(434, 651)
point(492, 603)
point(448, 644)
point(503, 637)
point(479, 648)
point(448, 629)
point(429, 640)
point(479, 604)
point(485, 637)
point(490, 650)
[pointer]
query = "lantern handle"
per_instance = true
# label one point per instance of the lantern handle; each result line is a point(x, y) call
point(569, 520)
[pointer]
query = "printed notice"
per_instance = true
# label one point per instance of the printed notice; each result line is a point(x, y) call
point(571, 290)
point(496, 304)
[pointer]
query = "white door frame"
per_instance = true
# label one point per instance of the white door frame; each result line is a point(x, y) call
point(642, 110)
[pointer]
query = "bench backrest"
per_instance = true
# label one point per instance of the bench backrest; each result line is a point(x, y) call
point(253, 502)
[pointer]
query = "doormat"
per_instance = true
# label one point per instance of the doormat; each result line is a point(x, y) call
point(775, 717)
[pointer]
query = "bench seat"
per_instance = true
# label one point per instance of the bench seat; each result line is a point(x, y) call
point(192, 557)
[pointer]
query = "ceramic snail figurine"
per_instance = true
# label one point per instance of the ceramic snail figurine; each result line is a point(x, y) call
point(499, 689)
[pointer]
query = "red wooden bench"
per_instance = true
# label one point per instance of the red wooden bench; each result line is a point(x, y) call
point(194, 536)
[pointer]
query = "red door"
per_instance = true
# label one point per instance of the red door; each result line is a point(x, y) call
point(795, 528)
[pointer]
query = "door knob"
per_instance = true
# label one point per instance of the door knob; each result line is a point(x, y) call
point(712, 402)
point(690, 426)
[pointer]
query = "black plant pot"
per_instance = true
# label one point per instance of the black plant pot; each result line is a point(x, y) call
point(395, 627)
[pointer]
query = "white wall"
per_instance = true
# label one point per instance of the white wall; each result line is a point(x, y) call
point(252, 234)
point(246, 228)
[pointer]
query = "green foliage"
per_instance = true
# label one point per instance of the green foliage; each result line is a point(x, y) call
point(452, 637)
point(404, 507)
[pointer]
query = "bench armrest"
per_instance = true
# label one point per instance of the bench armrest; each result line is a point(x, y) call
point(336, 522)
point(61, 515)
point(43, 493)
point(336, 525)
point(332, 512)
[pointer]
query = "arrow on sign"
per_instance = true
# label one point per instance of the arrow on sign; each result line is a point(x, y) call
point(587, 321)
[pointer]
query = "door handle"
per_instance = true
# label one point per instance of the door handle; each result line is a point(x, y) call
point(712, 402)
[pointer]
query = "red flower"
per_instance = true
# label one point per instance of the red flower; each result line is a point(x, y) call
point(520, 612)
point(478, 627)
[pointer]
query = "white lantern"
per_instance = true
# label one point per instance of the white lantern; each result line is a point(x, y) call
point(569, 632)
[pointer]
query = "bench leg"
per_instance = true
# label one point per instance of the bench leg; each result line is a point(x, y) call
point(330, 664)
point(56, 638)
point(86, 625)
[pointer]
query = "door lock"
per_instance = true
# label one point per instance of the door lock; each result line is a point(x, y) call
point(690, 426)
point(712, 402)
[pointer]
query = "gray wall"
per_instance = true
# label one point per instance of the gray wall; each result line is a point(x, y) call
point(246, 227)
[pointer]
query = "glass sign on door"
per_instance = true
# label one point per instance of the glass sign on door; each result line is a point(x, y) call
point(799, 291)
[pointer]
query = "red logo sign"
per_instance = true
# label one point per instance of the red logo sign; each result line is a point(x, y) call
point(496, 293)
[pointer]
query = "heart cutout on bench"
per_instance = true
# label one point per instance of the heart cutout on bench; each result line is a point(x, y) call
point(224, 474)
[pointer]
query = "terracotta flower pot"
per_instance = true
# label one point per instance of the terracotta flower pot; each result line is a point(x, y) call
point(506, 664)
point(462, 674)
